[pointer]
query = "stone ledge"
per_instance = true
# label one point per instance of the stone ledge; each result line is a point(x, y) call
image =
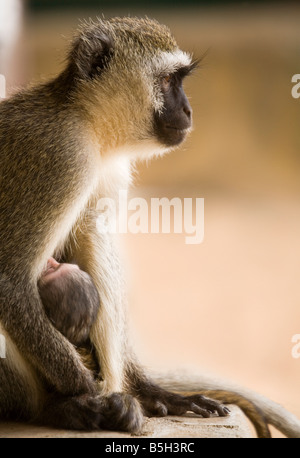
point(189, 426)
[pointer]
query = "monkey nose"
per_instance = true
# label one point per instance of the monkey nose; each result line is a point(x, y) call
point(188, 111)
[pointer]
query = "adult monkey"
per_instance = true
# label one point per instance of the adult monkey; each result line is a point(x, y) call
point(64, 145)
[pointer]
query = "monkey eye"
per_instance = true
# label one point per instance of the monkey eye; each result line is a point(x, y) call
point(166, 81)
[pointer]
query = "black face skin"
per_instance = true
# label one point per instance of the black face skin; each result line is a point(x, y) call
point(171, 124)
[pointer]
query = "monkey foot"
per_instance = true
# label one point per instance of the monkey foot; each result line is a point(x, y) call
point(164, 403)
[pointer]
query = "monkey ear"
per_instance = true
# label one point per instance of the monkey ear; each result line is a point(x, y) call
point(91, 54)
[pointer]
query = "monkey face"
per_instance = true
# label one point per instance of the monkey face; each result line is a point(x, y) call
point(174, 120)
point(132, 71)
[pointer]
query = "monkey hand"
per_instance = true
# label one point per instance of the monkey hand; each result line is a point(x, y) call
point(159, 402)
point(121, 412)
point(118, 411)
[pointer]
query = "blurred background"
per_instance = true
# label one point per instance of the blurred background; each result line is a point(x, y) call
point(230, 305)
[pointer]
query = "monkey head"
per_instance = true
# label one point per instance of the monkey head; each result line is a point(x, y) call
point(130, 73)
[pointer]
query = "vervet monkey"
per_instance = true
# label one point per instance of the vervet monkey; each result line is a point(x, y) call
point(65, 144)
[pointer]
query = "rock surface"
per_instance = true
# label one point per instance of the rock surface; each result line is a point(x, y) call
point(189, 426)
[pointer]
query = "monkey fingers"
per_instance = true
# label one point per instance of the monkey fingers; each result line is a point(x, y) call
point(210, 404)
point(164, 403)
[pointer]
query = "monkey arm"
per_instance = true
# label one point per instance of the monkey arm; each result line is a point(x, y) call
point(70, 397)
point(53, 361)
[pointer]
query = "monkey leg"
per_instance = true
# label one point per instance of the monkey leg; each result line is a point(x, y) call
point(157, 401)
point(16, 397)
point(24, 397)
point(21, 392)
point(95, 253)
point(260, 410)
point(43, 346)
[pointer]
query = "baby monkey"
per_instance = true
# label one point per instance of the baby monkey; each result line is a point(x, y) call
point(71, 302)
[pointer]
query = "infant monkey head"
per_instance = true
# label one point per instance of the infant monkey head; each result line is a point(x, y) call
point(70, 298)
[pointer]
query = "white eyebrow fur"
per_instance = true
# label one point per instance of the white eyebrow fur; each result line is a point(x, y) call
point(169, 62)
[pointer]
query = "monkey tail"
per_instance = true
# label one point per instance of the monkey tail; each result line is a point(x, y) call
point(260, 410)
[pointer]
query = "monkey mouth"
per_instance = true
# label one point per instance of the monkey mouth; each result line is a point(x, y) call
point(171, 130)
point(171, 135)
point(180, 131)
